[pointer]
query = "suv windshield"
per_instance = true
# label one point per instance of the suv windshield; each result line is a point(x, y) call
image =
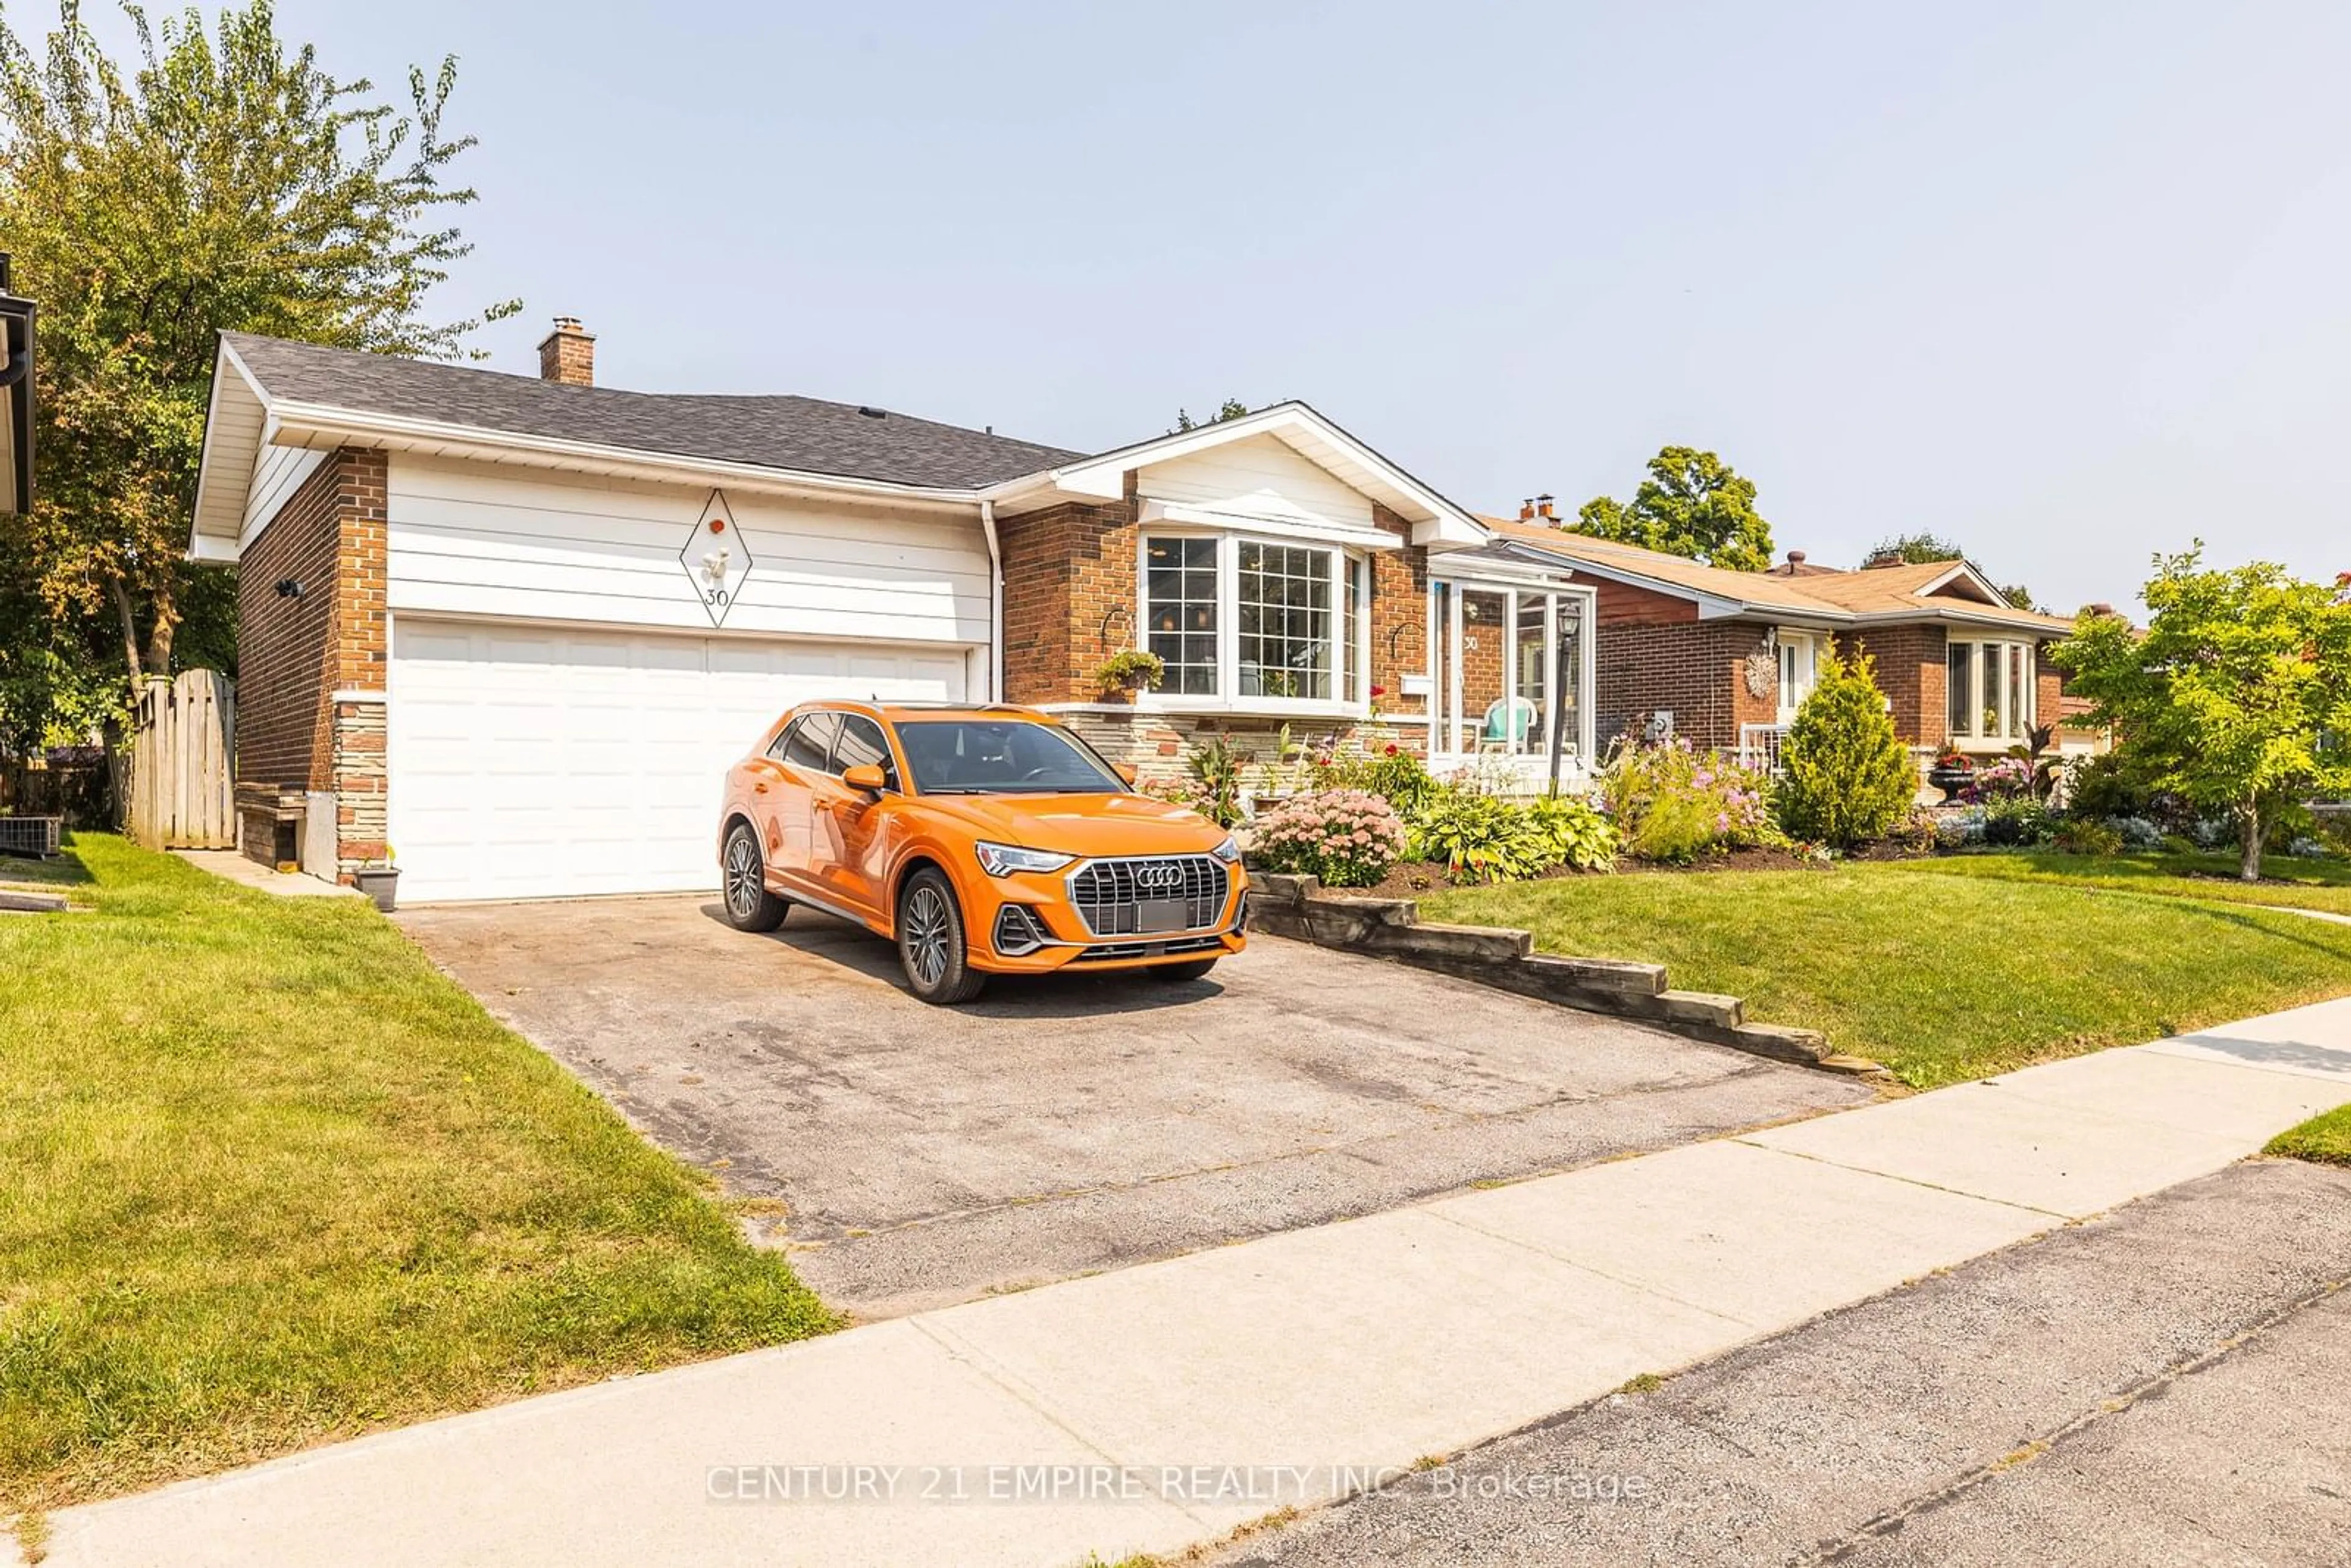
point(1008, 756)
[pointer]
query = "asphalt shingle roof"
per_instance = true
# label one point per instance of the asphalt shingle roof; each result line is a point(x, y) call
point(803, 434)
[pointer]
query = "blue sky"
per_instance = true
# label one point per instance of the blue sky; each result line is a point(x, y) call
point(2066, 283)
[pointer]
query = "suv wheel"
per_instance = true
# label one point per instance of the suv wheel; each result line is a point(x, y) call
point(743, 890)
point(931, 942)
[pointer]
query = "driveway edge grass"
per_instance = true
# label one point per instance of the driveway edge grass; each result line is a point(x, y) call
point(271, 1180)
point(2324, 1139)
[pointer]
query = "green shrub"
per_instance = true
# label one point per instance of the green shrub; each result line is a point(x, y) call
point(1217, 766)
point(1581, 836)
point(2106, 786)
point(1848, 776)
point(1484, 838)
point(2087, 836)
point(2020, 819)
point(1392, 772)
point(1673, 804)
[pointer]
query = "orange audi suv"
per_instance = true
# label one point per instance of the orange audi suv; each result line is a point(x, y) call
point(983, 840)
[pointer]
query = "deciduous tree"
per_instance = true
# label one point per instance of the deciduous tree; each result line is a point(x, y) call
point(2237, 696)
point(1692, 504)
point(218, 182)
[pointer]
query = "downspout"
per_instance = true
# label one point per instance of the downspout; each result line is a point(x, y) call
point(995, 601)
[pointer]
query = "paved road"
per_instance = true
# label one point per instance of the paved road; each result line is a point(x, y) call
point(2162, 1386)
point(927, 1155)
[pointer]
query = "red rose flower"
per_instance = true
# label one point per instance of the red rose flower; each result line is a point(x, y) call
point(1392, 749)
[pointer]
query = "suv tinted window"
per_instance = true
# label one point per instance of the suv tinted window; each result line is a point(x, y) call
point(860, 745)
point(808, 741)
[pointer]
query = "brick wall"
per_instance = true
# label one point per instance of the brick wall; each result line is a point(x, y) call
point(296, 652)
point(1912, 672)
point(1399, 619)
point(1653, 654)
point(1069, 598)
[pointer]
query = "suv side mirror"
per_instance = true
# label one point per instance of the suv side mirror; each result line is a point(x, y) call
point(865, 778)
point(1125, 770)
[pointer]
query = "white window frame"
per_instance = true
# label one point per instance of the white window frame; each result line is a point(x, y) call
point(2010, 727)
point(1345, 566)
point(1446, 723)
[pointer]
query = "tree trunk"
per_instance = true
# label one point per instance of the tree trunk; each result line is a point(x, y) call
point(129, 632)
point(118, 767)
point(2249, 841)
point(161, 637)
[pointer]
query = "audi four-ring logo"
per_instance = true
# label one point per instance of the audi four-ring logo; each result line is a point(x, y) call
point(1157, 877)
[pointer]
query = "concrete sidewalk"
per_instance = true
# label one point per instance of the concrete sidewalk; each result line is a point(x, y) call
point(1157, 1406)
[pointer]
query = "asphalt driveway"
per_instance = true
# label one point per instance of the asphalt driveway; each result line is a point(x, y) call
point(923, 1156)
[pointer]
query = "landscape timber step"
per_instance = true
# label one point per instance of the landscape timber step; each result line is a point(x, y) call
point(1302, 908)
point(18, 903)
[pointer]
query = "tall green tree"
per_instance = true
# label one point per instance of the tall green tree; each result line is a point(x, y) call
point(1692, 504)
point(2237, 698)
point(216, 182)
point(1921, 548)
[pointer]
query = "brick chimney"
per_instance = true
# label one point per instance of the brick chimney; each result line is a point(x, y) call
point(1545, 510)
point(1880, 559)
point(1527, 511)
point(567, 356)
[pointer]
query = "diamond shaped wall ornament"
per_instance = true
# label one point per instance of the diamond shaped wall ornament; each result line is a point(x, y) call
point(717, 557)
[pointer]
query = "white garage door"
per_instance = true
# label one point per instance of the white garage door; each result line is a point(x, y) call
point(528, 763)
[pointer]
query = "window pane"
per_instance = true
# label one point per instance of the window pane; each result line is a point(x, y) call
point(1494, 722)
point(1350, 633)
point(810, 741)
point(1440, 665)
point(1572, 632)
point(860, 745)
point(1990, 691)
point(1179, 611)
point(1959, 703)
point(2016, 691)
point(1285, 621)
point(1530, 655)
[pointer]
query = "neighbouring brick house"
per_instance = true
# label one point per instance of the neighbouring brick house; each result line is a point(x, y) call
point(1724, 658)
point(510, 630)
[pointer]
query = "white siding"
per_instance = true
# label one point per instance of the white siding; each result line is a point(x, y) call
point(1264, 476)
point(468, 538)
point(275, 477)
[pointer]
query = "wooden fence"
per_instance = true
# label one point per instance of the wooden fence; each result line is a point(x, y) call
point(182, 791)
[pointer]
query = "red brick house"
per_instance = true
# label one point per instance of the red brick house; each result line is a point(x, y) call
point(510, 630)
point(1725, 658)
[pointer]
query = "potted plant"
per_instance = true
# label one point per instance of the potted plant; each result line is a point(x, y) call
point(379, 881)
point(1952, 772)
point(1134, 670)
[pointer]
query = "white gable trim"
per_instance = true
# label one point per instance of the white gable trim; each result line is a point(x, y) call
point(1436, 523)
point(1284, 527)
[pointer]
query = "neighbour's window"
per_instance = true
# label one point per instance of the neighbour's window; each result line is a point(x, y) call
point(1179, 611)
point(1989, 689)
point(860, 745)
point(809, 742)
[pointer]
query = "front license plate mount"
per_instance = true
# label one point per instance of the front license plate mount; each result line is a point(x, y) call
point(1161, 915)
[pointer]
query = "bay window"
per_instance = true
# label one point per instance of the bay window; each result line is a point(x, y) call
point(1251, 623)
point(1989, 689)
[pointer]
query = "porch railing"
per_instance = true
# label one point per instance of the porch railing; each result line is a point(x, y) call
point(1759, 745)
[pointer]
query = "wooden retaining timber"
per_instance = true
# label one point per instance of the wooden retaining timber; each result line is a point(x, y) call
point(1302, 908)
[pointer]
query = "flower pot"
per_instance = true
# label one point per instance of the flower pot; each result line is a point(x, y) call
point(1950, 780)
point(380, 884)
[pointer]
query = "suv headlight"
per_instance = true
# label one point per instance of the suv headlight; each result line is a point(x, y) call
point(1003, 860)
point(1228, 851)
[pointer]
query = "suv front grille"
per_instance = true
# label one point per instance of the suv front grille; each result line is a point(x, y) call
point(1110, 894)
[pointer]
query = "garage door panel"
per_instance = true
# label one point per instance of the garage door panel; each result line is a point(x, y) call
point(528, 763)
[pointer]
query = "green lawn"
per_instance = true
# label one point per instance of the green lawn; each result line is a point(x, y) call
point(268, 1178)
point(2325, 1138)
point(1940, 974)
point(2324, 885)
